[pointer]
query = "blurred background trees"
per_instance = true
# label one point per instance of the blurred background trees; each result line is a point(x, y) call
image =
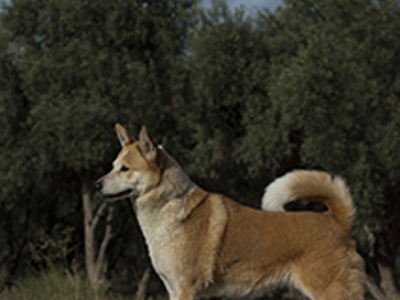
point(237, 98)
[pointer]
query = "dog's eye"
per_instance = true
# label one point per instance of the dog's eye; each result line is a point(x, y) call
point(124, 169)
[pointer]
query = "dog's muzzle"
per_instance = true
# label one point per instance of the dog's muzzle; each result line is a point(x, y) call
point(98, 185)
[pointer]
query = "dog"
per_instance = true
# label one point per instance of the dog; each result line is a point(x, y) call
point(205, 245)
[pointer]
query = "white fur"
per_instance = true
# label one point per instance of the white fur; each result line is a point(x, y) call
point(163, 238)
point(287, 188)
point(114, 184)
point(277, 194)
point(118, 162)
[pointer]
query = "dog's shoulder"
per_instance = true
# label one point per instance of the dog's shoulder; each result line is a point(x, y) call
point(205, 205)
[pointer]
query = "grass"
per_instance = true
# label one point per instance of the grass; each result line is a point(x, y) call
point(54, 284)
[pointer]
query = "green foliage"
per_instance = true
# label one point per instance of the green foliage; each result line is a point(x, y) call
point(50, 251)
point(237, 99)
point(341, 93)
point(87, 65)
point(315, 85)
point(227, 68)
point(71, 70)
point(335, 91)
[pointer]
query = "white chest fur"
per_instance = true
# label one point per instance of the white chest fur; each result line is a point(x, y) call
point(161, 229)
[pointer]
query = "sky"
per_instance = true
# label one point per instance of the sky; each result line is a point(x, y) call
point(250, 4)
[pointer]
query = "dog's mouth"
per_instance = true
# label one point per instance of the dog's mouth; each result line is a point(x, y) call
point(123, 194)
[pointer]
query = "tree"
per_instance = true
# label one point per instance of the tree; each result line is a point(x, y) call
point(16, 219)
point(335, 97)
point(314, 85)
point(227, 69)
point(82, 67)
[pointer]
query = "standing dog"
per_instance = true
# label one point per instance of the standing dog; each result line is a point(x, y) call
point(206, 245)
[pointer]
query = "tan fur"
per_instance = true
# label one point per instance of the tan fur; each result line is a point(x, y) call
point(206, 245)
point(312, 185)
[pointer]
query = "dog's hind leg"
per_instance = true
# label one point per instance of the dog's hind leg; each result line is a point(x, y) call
point(350, 279)
point(344, 281)
point(338, 291)
point(353, 280)
point(334, 291)
point(314, 292)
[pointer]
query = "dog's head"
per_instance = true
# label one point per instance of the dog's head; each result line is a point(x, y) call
point(135, 170)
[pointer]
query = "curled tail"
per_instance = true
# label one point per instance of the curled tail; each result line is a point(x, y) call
point(314, 186)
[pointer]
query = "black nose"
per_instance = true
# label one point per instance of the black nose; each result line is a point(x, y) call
point(98, 185)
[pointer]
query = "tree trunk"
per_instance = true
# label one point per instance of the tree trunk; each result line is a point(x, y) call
point(95, 263)
point(142, 287)
point(386, 289)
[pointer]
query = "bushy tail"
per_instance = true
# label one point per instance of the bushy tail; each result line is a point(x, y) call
point(314, 186)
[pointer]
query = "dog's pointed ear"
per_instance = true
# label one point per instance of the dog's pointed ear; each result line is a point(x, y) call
point(147, 146)
point(123, 136)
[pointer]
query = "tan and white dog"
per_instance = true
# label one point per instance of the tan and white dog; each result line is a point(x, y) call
point(204, 244)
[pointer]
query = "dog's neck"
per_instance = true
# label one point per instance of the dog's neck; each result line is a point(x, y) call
point(175, 185)
point(176, 181)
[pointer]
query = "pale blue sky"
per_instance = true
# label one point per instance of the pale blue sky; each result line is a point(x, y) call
point(250, 4)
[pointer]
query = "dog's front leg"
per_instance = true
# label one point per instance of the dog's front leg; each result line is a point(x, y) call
point(178, 291)
point(181, 294)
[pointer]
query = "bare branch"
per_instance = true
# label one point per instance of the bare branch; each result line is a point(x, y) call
point(86, 203)
point(371, 240)
point(89, 238)
point(387, 290)
point(375, 290)
point(98, 214)
point(107, 236)
point(141, 292)
point(388, 283)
